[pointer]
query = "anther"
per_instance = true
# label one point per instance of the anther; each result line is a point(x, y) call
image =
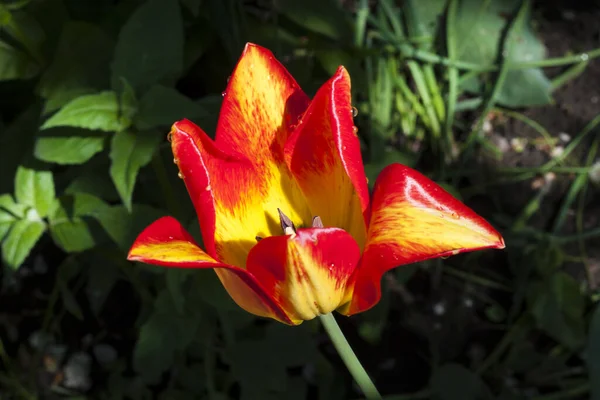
point(287, 225)
point(317, 222)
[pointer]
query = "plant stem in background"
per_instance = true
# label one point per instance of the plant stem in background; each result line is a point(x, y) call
point(350, 360)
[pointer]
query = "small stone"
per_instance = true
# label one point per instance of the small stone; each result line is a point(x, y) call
point(594, 173)
point(568, 15)
point(77, 372)
point(104, 353)
point(40, 339)
point(564, 137)
point(439, 309)
point(557, 151)
point(518, 144)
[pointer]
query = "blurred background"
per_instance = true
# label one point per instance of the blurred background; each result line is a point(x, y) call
point(497, 100)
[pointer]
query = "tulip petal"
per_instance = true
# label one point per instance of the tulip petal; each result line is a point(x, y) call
point(261, 104)
point(165, 242)
point(306, 272)
point(235, 199)
point(414, 219)
point(324, 156)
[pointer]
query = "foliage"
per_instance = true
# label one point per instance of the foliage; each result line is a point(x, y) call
point(88, 92)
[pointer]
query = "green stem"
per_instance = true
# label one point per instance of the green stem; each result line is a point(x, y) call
point(518, 329)
point(514, 27)
point(453, 75)
point(347, 354)
point(569, 393)
point(409, 51)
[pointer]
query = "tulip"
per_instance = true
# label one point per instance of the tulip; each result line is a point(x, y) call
point(283, 204)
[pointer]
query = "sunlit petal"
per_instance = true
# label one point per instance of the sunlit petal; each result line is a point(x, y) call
point(165, 242)
point(306, 272)
point(414, 219)
point(235, 199)
point(324, 156)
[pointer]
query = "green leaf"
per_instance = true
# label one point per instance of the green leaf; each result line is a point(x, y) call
point(257, 366)
point(123, 226)
point(322, 16)
point(193, 6)
point(145, 55)
point(523, 357)
point(34, 187)
point(372, 325)
point(101, 278)
point(211, 291)
point(9, 214)
point(67, 271)
point(198, 40)
point(6, 222)
point(479, 29)
point(69, 301)
point(558, 306)
point(175, 279)
point(453, 381)
point(386, 157)
point(19, 241)
point(304, 351)
point(212, 105)
point(99, 111)
point(80, 65)
point(24, 28)
point(424, 17)
point(593, 353)
point(479, 32)
point(331, 58)
point(9, 206)
point(14, 64)
point(162, 106)
point(228, 18)
point(547, 257)
point(261, 364)
point(155, 349)
point(130, 151)
point(92, 178)
point(67, 145)
point(68, 228)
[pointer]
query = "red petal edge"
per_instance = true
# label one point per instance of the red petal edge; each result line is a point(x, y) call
point(413, 219)
point(165, 242)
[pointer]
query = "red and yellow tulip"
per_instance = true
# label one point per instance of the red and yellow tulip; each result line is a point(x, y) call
point(283, 203)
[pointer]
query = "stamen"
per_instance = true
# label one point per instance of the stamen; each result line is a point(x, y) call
point(287, 225)
point(317, 222)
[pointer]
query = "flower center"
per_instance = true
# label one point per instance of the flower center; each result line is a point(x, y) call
point(312, 284)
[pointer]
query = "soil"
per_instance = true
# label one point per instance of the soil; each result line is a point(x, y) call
point(565, 28)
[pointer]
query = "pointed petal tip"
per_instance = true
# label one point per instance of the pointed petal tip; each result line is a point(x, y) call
point(500, 244)
point(491, 239)
point(131, 256)
point(183, 125)
point(341, 70)
point(251, 47)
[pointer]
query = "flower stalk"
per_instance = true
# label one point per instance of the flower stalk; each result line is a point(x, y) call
point(349, 357)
